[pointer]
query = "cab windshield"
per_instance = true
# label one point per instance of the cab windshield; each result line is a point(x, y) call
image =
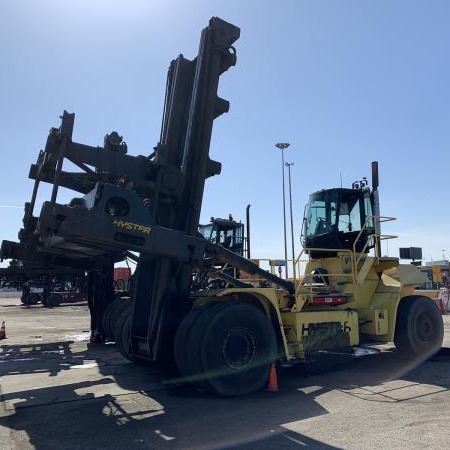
point(335, 217)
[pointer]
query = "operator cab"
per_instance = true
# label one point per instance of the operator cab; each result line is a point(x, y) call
point(226, 232)
point(334, 219)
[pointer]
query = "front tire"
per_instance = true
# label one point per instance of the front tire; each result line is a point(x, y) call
point(181, 341)
point(112, 314)
point(123, 338)
point(419, 330)
point(229, 349)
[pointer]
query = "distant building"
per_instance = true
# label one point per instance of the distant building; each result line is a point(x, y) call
point(444, 270)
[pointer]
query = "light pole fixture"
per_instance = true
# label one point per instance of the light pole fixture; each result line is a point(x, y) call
point(282, 146)
point(288, 165)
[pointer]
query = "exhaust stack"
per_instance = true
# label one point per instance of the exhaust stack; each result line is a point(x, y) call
point(376, 208)
point(247, 219)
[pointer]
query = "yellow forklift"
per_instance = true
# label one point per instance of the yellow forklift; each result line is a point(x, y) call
point(225, 340)
point(349, 294)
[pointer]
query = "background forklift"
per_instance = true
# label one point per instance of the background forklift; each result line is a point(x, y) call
point(229, 234)
point(226, 232)
point(50, 285)
point(222, 340)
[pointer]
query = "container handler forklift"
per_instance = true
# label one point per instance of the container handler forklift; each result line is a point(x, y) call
point(222, 340)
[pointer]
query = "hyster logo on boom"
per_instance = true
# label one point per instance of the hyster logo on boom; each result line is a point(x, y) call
point(131, 226)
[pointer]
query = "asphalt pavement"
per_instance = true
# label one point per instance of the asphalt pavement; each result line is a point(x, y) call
point(61, 392)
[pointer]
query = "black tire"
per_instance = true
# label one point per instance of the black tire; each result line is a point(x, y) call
point(32, 299)
point(118, 324)
point(236, 350)
point(419, 329)
point(123, 340)
point(186, 345)
point(106, 318)
point(45, 301)
point(194, 343)
point(181, 340)
point(113, 316)
point(54, 300)
point(179, 347)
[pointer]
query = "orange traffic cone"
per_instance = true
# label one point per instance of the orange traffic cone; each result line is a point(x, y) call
point(272, 385)
point(3, 331)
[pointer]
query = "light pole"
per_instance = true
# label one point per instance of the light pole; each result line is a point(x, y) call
point(288, 165)
point(282, 146)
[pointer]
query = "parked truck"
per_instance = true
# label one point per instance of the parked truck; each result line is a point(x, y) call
point(222, 340)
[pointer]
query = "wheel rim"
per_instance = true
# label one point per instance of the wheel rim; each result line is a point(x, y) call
point(425, 327)
point(239, 348)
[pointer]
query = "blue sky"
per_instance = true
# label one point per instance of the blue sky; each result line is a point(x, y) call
point(344, 82)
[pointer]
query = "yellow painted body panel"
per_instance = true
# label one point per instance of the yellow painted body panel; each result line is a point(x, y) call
point(319, 323)
point(373, 287)
point(374, 322)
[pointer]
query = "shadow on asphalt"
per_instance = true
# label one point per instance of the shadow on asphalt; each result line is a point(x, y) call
point(40, 305)
point(146, 413)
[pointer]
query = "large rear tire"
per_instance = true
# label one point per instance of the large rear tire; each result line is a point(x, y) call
point(419, 330)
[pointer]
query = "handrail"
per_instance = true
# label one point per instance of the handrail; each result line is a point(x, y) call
point(380, 237)
point(352, 274)
point(355, 256)
point(376, 237)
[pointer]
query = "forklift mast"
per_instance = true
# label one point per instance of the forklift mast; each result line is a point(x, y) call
point(146, 204)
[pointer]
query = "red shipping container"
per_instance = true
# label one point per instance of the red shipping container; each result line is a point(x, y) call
point(122, 273)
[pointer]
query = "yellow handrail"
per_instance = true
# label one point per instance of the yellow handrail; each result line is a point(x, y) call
point(355, 256)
